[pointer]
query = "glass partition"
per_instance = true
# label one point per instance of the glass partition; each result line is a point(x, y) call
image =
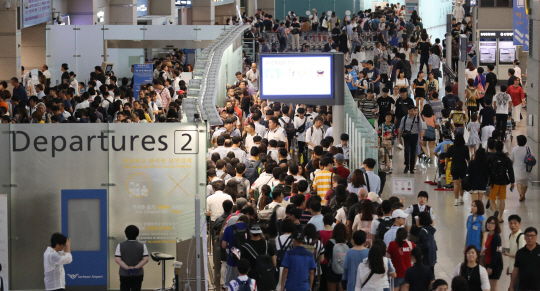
point(124, 32)
point(89, 47)
point(166, 32)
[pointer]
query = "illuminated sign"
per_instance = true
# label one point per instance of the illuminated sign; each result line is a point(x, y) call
point(142, 8)
point(497, 34)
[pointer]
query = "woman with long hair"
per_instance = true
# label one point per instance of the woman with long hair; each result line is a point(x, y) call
point(420, 87)
point(428, 135)
point(493, 257)
point(401, 81)
point(518, 96)
point(365, 217)
point(475, 226)
point(476, 275)
point(341, 214)
point(264, 197)
point(372, 272)
point(406, 50)
point(459, 118)
point(338, 198)
point(471, 97)
point(231, 189)
point(478, 173)
point(459, 153)
point(339, 236)
point(357, 182)
point(517, 156)
point(418, 276)
point(400, 254)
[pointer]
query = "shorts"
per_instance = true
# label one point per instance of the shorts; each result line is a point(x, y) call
point(331, 276)
point(458, 174)
point(371, 121)
point(398, 282)
point(524, 182)
point(497, 189)
point(495, 274)
point(231, 273)
point(478, 191)
point(428, 139)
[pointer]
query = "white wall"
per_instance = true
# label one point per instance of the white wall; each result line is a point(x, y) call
point(33, 47)
point(230, 64)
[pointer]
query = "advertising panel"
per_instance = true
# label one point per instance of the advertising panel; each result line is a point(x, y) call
point(38, 11)
point(142, 74)
point(521, 25)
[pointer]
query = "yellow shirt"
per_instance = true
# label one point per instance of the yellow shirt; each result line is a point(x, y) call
point(514, 247)
point(322, 182)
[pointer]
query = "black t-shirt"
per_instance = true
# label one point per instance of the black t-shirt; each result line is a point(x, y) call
point(528, 263)
point(419, 277)
point(491, 78)
point(424, 48)
point(420, 91)
point(487, 114)
point(267, 24)
point(295, 28)
point(260, 248)
point(511, 80)
point(402, 106)
point(460, 155)
point(385, 104)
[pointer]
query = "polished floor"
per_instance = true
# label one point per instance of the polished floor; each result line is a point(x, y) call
point(450, 220)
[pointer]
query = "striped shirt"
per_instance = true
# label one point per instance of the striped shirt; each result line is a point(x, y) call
point(367, 107)
point(322, 182)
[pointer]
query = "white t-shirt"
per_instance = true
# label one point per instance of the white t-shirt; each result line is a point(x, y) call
point(406, 52)
point(249, 141)
point(214, 204)
point(341, 215)
point(502, 101)
point(470, 74)
point(314, 136)
point(277, 134)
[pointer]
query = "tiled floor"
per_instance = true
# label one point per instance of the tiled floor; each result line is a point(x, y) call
point(451, 220)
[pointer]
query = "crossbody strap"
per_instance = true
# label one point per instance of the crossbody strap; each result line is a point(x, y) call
point(367, 182)
point(368, 277)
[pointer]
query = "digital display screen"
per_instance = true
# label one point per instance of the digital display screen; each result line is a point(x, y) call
point(488, 52)
point(507, 52)
point(297, 76)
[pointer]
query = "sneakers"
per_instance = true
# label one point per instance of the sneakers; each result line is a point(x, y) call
point(456, 202)
point(406, 170)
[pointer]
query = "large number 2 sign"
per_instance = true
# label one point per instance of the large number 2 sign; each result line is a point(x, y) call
point(186, 142)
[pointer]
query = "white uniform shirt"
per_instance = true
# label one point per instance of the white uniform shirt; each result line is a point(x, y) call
point(314, 136)
point(277, 134)
point(248, 143)
point(422, 208)
point(53, 265)
point(253, 76)
point(214, 204)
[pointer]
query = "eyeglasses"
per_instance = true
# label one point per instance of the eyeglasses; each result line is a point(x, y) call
point(530, 235)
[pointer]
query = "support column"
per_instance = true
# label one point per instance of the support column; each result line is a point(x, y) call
point(250, 7)
point(123, 12)
point(533, 98)
point(10, 38)
point(203, 12)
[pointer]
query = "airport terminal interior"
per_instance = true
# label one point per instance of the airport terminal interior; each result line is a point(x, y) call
point(321, 145)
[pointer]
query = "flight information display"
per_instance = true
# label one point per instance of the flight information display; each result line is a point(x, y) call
point(297, 76)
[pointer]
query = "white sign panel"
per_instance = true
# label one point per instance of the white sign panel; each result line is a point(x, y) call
point(403, 186)
point(4, 242)
point(38, 11)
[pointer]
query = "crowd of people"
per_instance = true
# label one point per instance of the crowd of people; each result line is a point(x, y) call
point(105, 98)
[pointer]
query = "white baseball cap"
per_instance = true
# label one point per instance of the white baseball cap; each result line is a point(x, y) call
point(398, 213)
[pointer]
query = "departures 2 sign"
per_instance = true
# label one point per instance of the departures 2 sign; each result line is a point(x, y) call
point(183, 141)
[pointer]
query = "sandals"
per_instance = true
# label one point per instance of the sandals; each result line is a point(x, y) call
point(521, 197)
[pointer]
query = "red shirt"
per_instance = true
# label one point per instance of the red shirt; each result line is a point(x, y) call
point(455, 89)
point(325, 236)
point(516, 93)
point(342, 171)
point(488, 248)
point(401, 256)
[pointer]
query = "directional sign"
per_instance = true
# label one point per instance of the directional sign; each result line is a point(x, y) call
point(521, 25)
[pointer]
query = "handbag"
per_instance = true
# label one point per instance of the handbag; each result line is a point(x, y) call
point(429, 131)
point(529, 161)
point(407, 133)
point(467, 183)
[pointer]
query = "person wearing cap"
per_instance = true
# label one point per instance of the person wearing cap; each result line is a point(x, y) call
point(411, 126)
point(340, 169)
point(298, 265)
point(399, 217)
point(257, 246)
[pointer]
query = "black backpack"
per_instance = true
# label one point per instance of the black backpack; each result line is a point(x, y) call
point(239, 239)
point(282, 250)
point(451, 103)
point(289, 127)
point(407, 69)
point(243, 285)
point(264, 271)
point(252, 170)
point(498, 171)
point(384, 225)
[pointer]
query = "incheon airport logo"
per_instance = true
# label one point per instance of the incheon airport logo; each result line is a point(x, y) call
point(72, 276)
point(77, 276)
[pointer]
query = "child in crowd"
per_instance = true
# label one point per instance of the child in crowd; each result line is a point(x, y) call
point(387, 134)
point(242, 280)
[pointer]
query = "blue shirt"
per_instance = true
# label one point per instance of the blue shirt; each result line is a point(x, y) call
point(372, 75)
point(299, 261)
point(482, 79)
point(390, 235)
point(317, 220)
point(354, 76)
point(228, 236)
point(374, 182)
point(440, 147)
point(21, 93)
point(350, 266)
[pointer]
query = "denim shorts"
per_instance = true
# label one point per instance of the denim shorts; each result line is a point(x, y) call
point(398, 282)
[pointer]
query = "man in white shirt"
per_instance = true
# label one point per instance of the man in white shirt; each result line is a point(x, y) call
point(239, 153)
point(253, 76)
point(259, 128)
point(55, 257)
point(176, 83)
point(221, 150)
point(344, 145)
point(214, 202)
point(314, 135)
point(39, 91)
point(502, 101)
point(276, 132)
point(85, 103)
point(250, 134)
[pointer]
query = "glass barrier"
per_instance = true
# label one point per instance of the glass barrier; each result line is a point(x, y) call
point(363, 138)
point(124, 32)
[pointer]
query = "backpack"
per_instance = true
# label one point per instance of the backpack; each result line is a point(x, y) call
point(498, 171)
point(240, 186)
point(384, 225)
point(407, 69)
point(529, 161)
point(239, 239)
point(282, 250)
point(409, 26)
point(451, 103)
point(289, 127)
point(243, 285)
point(268, 220)
point(367, 25)
point(252, 170)
point(338, 256)
point(517, 238)
point(264, 269)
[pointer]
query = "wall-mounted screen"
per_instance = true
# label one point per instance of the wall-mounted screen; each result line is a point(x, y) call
point(488, 52)
point(307, 76)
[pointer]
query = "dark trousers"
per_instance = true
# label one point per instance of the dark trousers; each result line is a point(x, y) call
point(424, 61)
point(131, 283)
point(501, 124)
point(455, 64)
point(282, 44)
point(410, 144)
